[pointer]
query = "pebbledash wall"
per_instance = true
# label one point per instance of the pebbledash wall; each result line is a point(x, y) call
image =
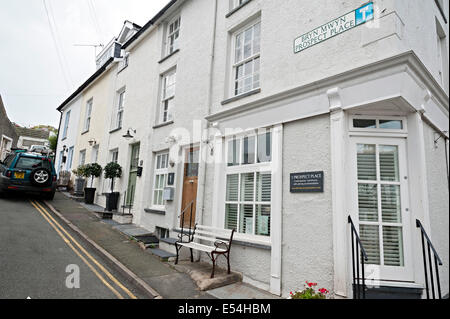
point(385, 69)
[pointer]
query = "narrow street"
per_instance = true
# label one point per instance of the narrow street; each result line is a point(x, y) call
point(38, 253)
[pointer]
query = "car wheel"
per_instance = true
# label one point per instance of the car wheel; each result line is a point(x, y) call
point(41, 177)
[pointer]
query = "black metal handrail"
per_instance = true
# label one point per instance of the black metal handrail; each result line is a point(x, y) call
point(437, 263)
point(359, 290)
point(191, 234)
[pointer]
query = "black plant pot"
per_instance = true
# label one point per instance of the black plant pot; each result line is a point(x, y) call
point(112, 200)
point(89, 195)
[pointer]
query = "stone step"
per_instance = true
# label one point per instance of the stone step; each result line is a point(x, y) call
point(170, 241)
point(162, 254)
point(168, 244)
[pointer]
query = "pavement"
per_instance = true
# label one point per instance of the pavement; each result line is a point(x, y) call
point(159, 279)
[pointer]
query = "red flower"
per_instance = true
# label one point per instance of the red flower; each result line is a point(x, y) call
point(323, 291)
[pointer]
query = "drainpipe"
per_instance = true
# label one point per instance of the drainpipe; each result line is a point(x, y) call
point(209, 101)
point(446, 160)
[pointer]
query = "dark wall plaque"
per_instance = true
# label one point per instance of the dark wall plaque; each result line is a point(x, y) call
point(171, 179)
point(309, 182)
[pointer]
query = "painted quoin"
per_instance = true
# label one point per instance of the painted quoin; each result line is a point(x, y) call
point(209, 103)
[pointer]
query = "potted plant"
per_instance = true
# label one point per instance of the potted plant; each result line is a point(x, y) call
point(91, 171)
point(79, 180)
point(309, 292)
point(112, 171)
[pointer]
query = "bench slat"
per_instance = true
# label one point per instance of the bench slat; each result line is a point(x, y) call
point(215, 229)
point(210, 234)
point(201, 247)
point(211, 239)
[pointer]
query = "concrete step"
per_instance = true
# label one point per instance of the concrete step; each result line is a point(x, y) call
point(168, 244)
point(147, 241)
point(384, 292)
point(161, 254)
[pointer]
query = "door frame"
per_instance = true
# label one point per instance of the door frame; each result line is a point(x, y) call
point(180, 181)
point(386, 273)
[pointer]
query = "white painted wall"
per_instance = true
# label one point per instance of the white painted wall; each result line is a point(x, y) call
point(438, 200)
point(72, 132)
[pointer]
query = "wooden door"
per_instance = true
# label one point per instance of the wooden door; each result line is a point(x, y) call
point(190, 183)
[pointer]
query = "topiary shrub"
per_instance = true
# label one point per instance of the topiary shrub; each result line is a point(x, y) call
point(112, 171)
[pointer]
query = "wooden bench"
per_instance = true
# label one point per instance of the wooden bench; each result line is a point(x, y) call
point(217, 244)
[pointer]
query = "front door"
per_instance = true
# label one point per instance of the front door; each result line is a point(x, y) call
point(190, 182)
point(134, 164)
point(380, 192)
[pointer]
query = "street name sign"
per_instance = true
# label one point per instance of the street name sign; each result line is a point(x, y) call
point(335, 27)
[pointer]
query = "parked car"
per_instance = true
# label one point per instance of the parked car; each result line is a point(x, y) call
point(26, 172)
point(42, 149)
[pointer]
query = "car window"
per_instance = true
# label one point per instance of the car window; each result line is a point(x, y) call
point(31, 163)
point(9, 159)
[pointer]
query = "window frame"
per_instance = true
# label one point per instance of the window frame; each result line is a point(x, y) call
point(162, 171)
point(164, 99)
point(234, 4)
point(404, 130)
point(171, 48)
point(66, 125)
point(80, 156)
point(88, 115)
point(119, 108)
point(235, 64)
point(70, 154)
point(262, 168)
point(107, 181)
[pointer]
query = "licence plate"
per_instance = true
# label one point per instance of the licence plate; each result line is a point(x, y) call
point(19, 175)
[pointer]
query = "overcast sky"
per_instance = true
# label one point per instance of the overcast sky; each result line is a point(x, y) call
point(34, 78)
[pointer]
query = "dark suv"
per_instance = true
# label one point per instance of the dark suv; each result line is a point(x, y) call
point(29, 173)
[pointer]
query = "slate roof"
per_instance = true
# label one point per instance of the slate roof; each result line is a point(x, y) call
point(33, 133)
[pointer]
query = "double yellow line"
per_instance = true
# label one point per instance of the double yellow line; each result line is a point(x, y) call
point(68, 239)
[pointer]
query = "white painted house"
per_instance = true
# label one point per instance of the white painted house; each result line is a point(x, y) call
point(67, 138)
point(282, 119)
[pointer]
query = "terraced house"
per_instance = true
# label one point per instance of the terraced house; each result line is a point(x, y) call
point(304, 126)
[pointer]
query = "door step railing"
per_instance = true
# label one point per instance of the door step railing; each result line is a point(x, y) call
point(359, 256)
point(190, 234)
point(431, 260)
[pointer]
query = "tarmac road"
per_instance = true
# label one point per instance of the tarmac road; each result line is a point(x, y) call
point(36, 249)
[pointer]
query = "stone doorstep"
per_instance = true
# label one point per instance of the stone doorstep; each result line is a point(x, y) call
point(123, 219)
point(200, 273)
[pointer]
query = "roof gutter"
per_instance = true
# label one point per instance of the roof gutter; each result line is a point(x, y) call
point(86, 84)
point(150, 23)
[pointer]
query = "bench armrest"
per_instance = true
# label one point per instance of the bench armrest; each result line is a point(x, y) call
point(221, 244)
point(181, 236)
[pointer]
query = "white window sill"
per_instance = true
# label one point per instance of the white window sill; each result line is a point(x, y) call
point(163, 124)
point(241, 96)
